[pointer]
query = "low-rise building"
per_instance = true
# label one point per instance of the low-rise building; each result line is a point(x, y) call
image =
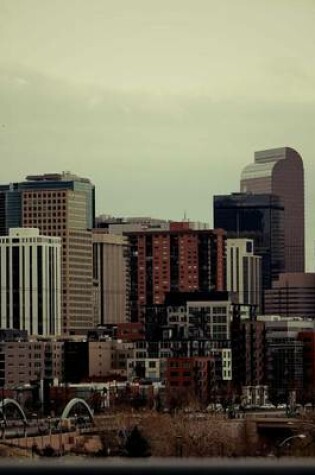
point(292, 295)
point(151, 369)
point(22, 362)
point(190, 379)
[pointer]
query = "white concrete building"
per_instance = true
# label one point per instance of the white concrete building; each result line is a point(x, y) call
point(30, 278)
point(243, 271)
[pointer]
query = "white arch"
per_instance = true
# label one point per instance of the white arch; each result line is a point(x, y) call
point(8, 401)
point(74, 402)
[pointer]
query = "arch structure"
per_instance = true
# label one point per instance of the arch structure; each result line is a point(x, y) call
point(76, 402)
point(11, 402)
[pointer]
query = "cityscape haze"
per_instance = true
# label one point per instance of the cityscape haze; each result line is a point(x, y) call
point(153, 101)
point(157, 227)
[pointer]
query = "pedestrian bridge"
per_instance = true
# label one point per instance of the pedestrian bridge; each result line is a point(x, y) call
point(11, 403)
point(9, 406)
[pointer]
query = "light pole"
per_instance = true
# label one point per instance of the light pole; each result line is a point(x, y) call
point(3, 424)
point(60, 437)
point(35, 416)
point(49, 428)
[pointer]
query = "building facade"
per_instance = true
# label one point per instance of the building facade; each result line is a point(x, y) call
point(259, 217)
point(188, 380)
point(248, 353)
point(60, 205)
point(292, 295)
point(280, 172)
point(151, 369)
point(23, 362)
point(243, 272)
point(193, 325)
point(111, 277)
point(284, 355)
point(122, 225)
point(30, 296)
point(182, 260)
point(308, 339)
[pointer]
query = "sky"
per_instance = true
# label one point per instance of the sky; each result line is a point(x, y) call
point(161, 103)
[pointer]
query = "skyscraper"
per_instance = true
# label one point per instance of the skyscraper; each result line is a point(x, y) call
point(59, 205)
point(258, 217)
point(30, 296)
point(280, 172)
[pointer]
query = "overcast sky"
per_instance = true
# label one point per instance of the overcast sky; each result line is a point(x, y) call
point(161, 103)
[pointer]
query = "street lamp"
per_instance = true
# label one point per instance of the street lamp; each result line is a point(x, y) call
point(49, 424)
point(3, 424)
point(49, 428)
point(36, 416)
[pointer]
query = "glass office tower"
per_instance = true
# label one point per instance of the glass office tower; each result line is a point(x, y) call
point(259, 217)
point(280, 172)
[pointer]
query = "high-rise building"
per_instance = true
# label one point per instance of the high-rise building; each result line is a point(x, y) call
point(243, 271)
point(59, 205)
point(183, 260)
point(280, 172)
point(258, 217)
point(30, 296)
point(111, 277)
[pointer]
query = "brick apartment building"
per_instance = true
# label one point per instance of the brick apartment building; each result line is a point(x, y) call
point(181, 259)
point(187, 378)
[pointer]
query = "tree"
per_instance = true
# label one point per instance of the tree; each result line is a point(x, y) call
point(136, 444)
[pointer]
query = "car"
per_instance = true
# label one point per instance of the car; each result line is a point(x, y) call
point(214, 408)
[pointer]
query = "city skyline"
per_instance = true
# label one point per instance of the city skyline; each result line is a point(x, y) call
point(162, 105)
